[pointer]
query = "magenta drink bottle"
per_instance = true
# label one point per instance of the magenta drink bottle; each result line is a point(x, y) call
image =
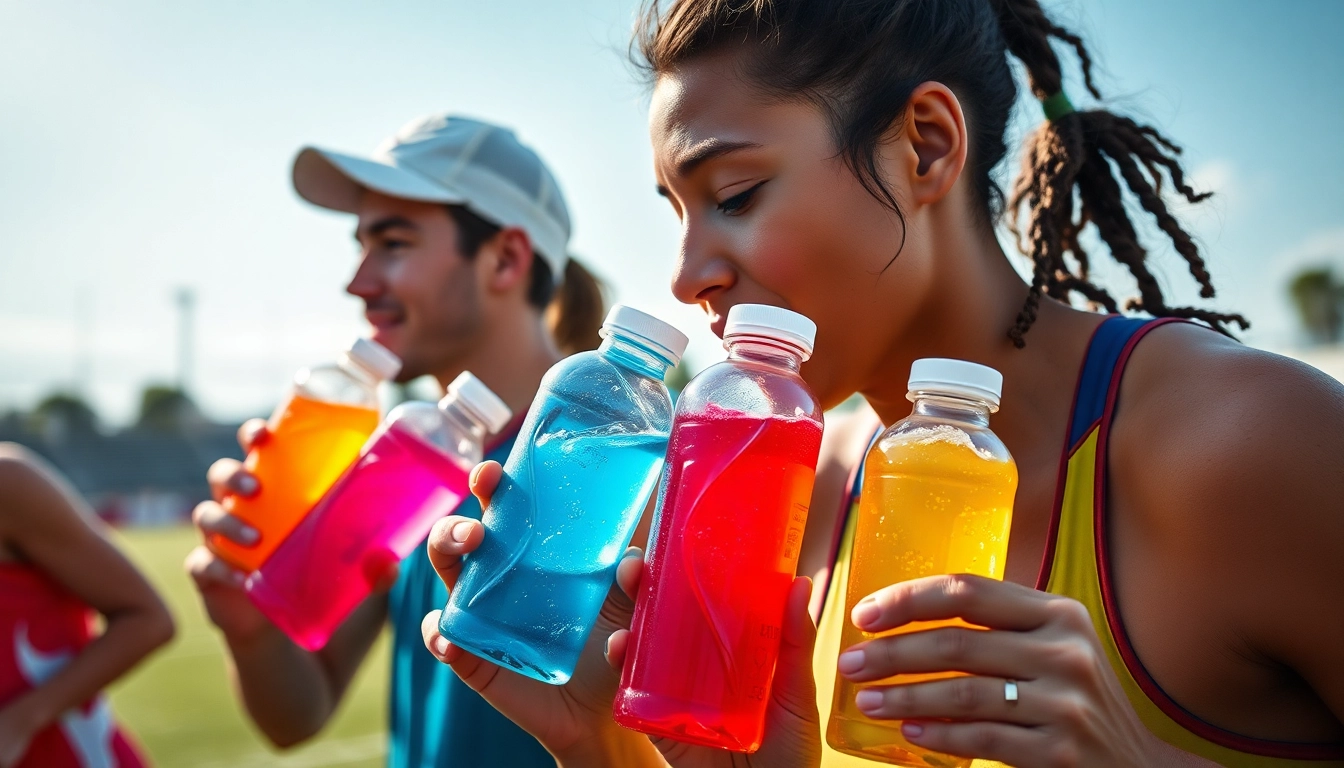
point(412, 472)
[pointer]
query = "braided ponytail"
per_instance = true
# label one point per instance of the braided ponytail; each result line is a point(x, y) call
point(1072, 152)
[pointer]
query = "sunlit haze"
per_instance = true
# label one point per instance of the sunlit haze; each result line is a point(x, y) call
point(145, 147)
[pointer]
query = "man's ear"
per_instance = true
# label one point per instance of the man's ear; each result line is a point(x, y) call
point(506, 259)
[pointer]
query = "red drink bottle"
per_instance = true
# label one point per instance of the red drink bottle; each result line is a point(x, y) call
point(728, 528)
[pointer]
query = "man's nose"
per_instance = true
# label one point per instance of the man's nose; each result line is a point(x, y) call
point(366, 283)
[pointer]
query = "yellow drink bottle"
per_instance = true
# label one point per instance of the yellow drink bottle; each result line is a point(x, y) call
point(937, 498)
point(313, 437)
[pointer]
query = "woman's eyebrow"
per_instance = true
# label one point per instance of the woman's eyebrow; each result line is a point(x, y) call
point(708, 150)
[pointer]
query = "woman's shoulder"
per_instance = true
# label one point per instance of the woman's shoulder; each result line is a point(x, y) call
point(1232, 457)
point(1198, 403)
point(22, 473)
point(33, 495)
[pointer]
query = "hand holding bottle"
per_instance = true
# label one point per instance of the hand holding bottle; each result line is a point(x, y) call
point(1069, 707)
point(220, 584)
point(792, 725)
point(573, 721)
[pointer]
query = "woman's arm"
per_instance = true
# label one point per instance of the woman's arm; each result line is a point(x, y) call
point(48, 526)
point(1228, 480)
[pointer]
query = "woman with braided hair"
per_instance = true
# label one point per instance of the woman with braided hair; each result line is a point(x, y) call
point(1172, 595)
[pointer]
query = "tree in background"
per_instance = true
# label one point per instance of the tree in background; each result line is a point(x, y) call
point(167, 409)
point(1319, 298)
point(62, 414)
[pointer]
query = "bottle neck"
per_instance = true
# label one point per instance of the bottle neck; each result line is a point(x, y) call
point(358, 372)
point(761, 349)
point(947, 407)
point(464, 419)
point(635, 355)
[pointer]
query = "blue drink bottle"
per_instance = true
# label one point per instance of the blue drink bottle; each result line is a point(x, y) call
point(574, 487)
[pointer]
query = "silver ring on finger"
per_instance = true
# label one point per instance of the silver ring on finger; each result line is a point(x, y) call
point(1010, 691)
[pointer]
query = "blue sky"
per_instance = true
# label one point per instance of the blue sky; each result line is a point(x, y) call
point(146, 146)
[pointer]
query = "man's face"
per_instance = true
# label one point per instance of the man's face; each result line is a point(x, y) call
point(419, 289)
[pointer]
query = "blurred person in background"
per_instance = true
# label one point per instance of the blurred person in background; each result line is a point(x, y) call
point(57, 570)
point(463, 233)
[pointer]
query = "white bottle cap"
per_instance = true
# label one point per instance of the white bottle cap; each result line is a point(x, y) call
point(773, 323)
point(374, 358)
point(473, 395)
point(958, 378)
point(649, 328)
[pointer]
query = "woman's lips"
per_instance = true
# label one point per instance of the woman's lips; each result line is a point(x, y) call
point(717, 323)
point(718, 320)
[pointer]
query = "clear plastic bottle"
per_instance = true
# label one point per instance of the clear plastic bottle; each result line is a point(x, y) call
point(574, 487)
point(314, 435)
point(412, 472)
point(730, 521)
point(937, 498)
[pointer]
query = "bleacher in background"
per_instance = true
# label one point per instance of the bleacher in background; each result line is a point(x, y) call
point(137, 476)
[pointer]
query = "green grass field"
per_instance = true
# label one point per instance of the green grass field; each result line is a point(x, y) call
point(179, 704)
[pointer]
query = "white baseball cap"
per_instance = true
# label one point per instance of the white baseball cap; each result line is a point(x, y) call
point(452, 160)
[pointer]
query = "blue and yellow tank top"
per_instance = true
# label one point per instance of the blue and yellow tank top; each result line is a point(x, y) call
point(1075, 565)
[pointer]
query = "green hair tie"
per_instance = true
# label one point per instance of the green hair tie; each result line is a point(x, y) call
point(1056, 106)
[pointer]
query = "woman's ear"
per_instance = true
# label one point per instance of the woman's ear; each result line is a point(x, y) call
point(935, 127)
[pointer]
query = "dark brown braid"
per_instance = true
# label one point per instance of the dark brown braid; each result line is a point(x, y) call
point(1075, 152)
point(860, 60)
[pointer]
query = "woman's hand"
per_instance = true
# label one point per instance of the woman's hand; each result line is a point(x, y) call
point(572, 721)
point(1070, 708)
point(792, 727)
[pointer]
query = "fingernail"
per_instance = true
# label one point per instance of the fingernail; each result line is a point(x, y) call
point(247, 485)
point(606, 646)
point(912, 730)
point(632, 552)
point(461, 531)
point(868, 700)
point(440, 644)
point(866, 612)
point(248, 534)
point(851, 661)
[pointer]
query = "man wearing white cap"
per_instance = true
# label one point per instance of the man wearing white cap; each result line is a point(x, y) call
point(463, 232)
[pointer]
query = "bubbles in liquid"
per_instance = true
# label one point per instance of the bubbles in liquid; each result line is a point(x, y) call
point(941, 433)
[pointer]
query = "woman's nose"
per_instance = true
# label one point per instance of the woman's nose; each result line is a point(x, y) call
point(702, 269)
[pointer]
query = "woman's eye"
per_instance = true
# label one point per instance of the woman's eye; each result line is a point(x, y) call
point(738, 202)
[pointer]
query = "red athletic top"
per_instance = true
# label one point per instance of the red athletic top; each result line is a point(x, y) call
point(43, 627)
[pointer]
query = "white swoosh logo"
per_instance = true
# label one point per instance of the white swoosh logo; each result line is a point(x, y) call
point(90, 736)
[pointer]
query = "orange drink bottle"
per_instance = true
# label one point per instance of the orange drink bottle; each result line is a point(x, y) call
point(937, 498)
point(313, 437)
